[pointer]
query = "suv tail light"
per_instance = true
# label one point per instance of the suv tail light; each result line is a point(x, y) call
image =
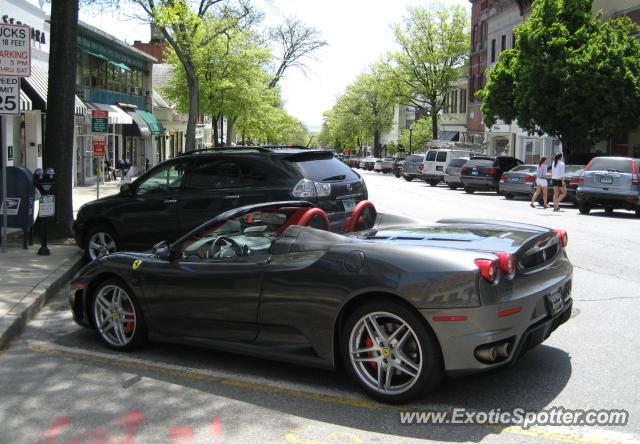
point(575, 180)
point(634, 173)
point(421, 167)
point(564, 237)
point(530, 179)
point(465, 171)
point(308, 188)
point(507, 263)
point(488, 269)
point(503, 178)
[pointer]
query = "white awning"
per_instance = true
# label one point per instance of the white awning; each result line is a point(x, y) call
point(38, 81)
point(116, 115)
point(25, 102)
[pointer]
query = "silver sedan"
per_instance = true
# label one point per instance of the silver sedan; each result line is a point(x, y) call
point(519, 181)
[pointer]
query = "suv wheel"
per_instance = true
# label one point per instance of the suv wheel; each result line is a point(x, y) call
point(452, 186)
point(468, 190)
point(608, 210)
point(407, 178)
point(509, 196)
point(100, 241)
point(584, 208)
point(434, 183)
point(390, 353)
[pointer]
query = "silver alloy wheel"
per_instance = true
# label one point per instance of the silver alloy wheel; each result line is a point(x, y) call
point(115, 315)
point(385, 353)
point(101, 244)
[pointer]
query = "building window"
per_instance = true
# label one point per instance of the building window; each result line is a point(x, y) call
point(463, 100)
point(503, 43)
point(454, 96)
point(493, 50)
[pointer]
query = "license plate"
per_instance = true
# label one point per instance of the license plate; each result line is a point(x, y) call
point(474, 172)
point(514, 179)
point(349, 204)
point(606, 179)
point(554, 301)
point(438, 168)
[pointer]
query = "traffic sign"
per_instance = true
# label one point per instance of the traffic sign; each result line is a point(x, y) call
point(10, 95)
point(15, 50)
point(99, 146)
point(99, 121)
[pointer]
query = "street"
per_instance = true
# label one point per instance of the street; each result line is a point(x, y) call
point(59, 384)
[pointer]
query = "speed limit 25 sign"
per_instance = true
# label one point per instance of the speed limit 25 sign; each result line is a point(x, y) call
point(9, 95)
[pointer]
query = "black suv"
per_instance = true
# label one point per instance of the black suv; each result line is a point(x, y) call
point(484, 173)
point(181, 193)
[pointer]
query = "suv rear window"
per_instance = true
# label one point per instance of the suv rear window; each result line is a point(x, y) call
point(610, 163)
point(431, 155)
point(442, 156)
point(323, 169)
point(458, 162)
point(415, 158)
point(478, 162)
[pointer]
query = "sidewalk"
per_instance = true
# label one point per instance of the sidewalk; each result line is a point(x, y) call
point(28, 281)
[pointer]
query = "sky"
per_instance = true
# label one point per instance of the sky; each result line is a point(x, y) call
point(358, 33)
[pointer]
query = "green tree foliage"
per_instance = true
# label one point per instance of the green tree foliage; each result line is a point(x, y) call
point(362, 113)
point(420, 136)
point(434, 43)
point(571, 76)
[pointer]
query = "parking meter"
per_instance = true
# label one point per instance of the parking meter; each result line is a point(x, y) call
point(44, 182)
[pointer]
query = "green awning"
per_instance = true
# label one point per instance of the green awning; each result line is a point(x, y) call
point(155, 126)
point(107, 59)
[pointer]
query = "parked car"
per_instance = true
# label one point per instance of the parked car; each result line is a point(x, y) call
point(436, 162)
point(367, 163)
point(610, 183)
point(452, 172)
point(484, 174)
point(397, 303)
point(354, 162)
point(572, 180)
point(384, 165)
point(412, 167)
point(518, 181)
point(181, 193)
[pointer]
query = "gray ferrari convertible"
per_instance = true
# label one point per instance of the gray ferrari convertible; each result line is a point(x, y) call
point(398, 303)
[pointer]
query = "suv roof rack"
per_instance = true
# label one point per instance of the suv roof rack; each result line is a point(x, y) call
point(225, 148)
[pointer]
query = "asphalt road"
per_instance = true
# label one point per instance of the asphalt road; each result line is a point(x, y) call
point(58, 384)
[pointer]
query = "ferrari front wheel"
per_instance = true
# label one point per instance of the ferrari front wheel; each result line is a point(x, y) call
point(117, 316)
point(390, 352)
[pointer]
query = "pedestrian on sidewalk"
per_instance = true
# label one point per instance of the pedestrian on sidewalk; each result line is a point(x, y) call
point(541, 183)
point(557, 179)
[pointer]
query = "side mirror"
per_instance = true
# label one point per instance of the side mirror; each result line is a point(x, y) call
point(126, 189)
point(162, 250)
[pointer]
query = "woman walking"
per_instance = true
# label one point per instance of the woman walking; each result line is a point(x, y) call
point(541, 183)
point(557, 179)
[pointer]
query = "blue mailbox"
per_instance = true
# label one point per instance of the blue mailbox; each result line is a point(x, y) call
point(20, 199)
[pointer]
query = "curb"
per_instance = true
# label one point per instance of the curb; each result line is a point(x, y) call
point(15, 321)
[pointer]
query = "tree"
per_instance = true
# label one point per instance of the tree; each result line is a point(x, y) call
point(58, 152)
point(571, 76)
point(434, 44)
point(296, 41)
point(180, 22)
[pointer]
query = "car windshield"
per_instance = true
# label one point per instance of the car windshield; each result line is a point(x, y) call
point(478, 162)
point(573, 169)
point(458, 162)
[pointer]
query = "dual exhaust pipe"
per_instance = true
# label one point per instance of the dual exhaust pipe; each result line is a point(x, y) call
point(494, 353)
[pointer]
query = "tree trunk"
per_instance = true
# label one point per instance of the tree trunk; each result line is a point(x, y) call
point(567, 149)
point(434, 121)
point(376, 143)
point(231, 121)
point(221, 119)
point(58, 140)
point(194, 105)
point(215, 132)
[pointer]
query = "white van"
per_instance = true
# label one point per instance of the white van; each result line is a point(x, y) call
point(436, 162)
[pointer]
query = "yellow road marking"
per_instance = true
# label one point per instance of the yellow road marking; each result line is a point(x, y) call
point(202, 375)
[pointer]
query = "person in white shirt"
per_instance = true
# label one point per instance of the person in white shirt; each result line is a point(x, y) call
point(541, 183)
point(557, 179)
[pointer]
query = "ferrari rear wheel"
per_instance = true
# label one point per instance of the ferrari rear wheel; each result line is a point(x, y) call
point(390, 353)
point(117, 316)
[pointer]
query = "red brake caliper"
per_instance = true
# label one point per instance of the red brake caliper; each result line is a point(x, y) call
point(130, 323)
point(368, 342)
